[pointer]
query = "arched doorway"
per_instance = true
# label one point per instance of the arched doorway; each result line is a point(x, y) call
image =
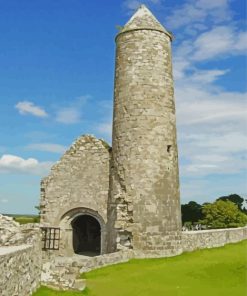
point(86, 235)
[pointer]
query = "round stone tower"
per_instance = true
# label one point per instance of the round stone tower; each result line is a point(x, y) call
point(144, 207)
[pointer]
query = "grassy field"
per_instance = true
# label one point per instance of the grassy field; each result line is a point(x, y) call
point(24, 219)
point(43, 291)
point(214, 272)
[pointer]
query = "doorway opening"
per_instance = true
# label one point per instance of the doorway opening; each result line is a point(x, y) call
point(86, 236)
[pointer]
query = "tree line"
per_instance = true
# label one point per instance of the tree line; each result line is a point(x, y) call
point(225, 212)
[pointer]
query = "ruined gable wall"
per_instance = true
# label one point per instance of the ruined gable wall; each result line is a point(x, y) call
point(79, 179)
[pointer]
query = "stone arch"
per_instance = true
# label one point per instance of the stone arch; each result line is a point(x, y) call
point(86, 235)
point(70, 217)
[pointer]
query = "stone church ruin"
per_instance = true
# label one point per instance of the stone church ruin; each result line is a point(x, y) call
point(103, 205)
point(106, 200)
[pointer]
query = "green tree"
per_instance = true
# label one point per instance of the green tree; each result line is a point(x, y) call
point(235, 198)
point(191, 212)
point(223, 214)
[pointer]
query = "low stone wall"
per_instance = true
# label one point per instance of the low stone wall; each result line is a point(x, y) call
point(105, 260)
point(20, 257)
point(202, 239)
point(63, 272)
point(20, 270)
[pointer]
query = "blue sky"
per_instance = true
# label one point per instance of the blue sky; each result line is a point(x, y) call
point(57, 70)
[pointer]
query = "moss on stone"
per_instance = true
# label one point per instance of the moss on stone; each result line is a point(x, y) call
point(105, 144)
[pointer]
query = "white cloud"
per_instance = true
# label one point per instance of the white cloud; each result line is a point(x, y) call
point(68, 115)
point(211, 129)
point(48, 147)
point(241, 42)
point(4, 200)
point(231, 142)
point(194, 13)
point(211, 120)
point(206, 152)
point(26, 107)
point(184, 16)
point(73, 113)
point(212, 4)
point(219, 41)
point(231, 165)
point(217, 158)
point(199, 167)
point(180, 65)
point(132, 5)
point(105, 129)
point(207, 76)
point(197, 106)
point(202, 189)
point(16, 165)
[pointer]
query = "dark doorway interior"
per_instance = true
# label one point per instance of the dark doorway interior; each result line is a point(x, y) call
point(86, 236)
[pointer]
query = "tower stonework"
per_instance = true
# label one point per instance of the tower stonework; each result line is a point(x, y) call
point(144, 206)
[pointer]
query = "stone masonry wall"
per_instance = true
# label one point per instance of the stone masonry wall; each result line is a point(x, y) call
point(144, 185)
point(20, 270)
point(10, 232)
point(79, 179)
point(14, 234)
point(77, 185)
point(20, 257)
point(193, 240)
point(63, 272)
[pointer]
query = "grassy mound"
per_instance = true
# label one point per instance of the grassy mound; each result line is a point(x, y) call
point(219, 271)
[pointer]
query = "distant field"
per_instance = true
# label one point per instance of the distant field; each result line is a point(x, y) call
point(24, 219)
point(213, 272)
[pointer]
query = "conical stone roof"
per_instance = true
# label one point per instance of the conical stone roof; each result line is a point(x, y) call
point(144, 19)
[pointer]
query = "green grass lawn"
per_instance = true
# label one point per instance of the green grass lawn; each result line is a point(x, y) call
point(43, 291)
point(213, 272)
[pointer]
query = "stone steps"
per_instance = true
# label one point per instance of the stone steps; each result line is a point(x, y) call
point(63, 273)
